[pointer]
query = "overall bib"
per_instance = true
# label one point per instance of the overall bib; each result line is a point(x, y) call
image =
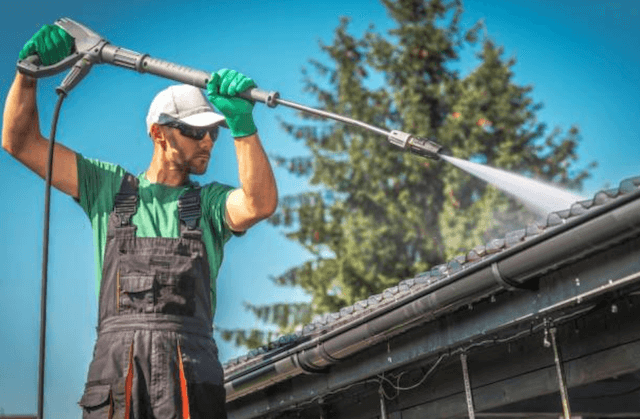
point(155, 356)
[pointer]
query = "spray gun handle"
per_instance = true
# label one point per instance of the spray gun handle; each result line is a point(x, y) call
point(87, 47)
point(86, 42)
point(80, 67)
point(32, 66)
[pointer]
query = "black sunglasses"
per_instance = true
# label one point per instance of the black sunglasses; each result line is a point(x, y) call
point(196, 133)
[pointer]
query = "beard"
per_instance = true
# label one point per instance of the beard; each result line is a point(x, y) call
point(196, 164)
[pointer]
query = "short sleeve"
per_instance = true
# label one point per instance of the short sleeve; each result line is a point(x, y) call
point(214, 199)
point(98, 182)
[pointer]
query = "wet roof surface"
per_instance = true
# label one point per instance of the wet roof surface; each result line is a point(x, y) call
point(346, 315)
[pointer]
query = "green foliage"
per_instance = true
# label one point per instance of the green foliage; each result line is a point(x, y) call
point(382, 215)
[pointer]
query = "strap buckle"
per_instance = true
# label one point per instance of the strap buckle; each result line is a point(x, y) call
point(126, 200)
point(189, 208)
point(125, 207)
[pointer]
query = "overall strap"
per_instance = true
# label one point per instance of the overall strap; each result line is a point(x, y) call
point(189, 211)
point(126, 200)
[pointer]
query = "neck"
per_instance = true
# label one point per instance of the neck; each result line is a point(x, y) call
point(163, 171)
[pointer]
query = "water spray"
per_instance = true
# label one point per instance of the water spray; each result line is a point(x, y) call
point(538, 196)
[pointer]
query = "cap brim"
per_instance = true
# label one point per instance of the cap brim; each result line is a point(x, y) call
point(205, 119)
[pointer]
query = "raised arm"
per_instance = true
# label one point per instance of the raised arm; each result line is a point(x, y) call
point(21, 136)
point(257, 198)
point(22, 139)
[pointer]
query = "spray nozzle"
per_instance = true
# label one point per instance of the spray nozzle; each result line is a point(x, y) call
point(421, 146)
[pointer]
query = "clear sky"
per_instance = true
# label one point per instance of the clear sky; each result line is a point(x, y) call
point(581, 56)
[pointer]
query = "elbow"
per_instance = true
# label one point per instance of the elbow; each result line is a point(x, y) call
point(7, 144)
point(272, 205)
point(266, 209)
point(271, 208)
point(10, 140)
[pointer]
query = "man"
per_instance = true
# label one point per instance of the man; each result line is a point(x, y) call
point(159, 239)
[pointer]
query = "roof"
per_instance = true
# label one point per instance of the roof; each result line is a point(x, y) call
point(501, 264)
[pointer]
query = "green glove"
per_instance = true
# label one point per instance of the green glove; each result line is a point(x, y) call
point(51, 43)
point(225, 84)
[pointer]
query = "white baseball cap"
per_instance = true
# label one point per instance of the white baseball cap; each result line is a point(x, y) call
point(185, 103)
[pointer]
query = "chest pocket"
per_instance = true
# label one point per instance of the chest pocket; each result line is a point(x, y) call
point(158, 284)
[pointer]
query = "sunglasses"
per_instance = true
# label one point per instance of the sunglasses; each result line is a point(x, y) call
point(196, 133)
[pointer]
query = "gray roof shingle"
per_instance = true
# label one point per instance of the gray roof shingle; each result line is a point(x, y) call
point(330, 321)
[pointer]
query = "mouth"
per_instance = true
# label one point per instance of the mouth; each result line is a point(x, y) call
point(199, 164)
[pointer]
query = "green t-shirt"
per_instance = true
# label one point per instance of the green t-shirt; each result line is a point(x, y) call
point(157, 213)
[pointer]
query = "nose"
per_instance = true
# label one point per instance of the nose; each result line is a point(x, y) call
point(207, 142)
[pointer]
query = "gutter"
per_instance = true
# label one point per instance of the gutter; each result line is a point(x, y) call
point(600, 227)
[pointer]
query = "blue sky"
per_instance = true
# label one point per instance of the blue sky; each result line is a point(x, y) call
point(580, 56)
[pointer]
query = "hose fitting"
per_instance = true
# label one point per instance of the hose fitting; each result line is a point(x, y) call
point(416, 145)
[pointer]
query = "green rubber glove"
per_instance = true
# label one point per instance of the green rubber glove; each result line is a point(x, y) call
point(51, 43)
point(221, 89)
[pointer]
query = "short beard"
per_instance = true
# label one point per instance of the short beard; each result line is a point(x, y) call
point(187, 166)
point(194, 171)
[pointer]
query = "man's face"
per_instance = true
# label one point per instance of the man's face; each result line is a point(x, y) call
point(186, 153)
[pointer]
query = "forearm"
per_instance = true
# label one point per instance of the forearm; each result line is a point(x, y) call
point(256, 176)
point(20, 120)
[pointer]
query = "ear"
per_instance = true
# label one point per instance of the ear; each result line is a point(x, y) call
point(156, 133)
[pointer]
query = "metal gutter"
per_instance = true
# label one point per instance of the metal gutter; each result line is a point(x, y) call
point(577, 238)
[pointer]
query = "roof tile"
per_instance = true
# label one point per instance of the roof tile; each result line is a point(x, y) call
point(494, 246)
point(478, 253)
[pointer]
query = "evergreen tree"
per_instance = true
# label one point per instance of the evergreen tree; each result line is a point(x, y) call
point(378, 215)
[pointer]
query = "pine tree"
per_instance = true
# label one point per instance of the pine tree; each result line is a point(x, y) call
point(378, 215)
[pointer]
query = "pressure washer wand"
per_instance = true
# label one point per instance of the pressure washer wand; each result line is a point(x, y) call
point(145, 64)
point(92, 48)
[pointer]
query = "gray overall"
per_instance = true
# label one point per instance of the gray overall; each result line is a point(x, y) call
point(155, 356)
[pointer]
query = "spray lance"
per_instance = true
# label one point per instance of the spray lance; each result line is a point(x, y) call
point(89, 49)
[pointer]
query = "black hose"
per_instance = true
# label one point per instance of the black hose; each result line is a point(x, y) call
point(45, 257)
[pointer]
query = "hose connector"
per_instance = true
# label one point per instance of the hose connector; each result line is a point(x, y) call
point(416, 145)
